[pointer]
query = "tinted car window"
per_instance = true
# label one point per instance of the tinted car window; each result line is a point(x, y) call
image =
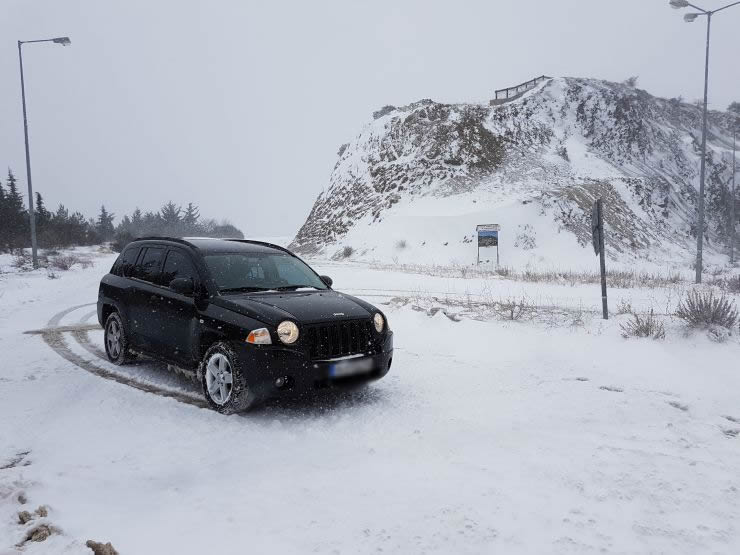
point(177, 265)
point(126, 261)
point(147, 267)
point(260, 272)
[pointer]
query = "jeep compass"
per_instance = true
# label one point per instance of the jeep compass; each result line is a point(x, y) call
point(252, 319)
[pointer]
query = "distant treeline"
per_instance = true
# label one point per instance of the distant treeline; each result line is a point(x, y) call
point(64, 229)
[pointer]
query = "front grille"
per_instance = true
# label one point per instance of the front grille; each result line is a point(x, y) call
point(338, 339)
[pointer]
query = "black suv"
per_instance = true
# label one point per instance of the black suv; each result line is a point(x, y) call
point(253, 319)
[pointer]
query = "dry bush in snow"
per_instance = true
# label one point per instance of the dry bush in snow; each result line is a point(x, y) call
point(647, 326)
point(702, 309)
point(513, 309)
point(624, 307)
point(401, 244)
point(64, 262)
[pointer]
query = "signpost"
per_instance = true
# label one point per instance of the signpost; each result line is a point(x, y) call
point(597, 238)
point(488, 237)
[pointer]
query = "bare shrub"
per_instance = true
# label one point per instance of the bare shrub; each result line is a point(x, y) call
point(624, 307)
point(728, 285)
point(526, 237)
point(513, 309)
point(401, 244)
point(64, 262)
point(21, 261)
point(347, 251)
point(701, 309)
point(51, 274)
point(647, 326)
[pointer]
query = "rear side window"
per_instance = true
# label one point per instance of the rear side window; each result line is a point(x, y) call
point(126, 261)
point(178, 265)
point(147, 268)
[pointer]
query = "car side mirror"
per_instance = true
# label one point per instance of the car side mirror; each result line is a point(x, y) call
point(184, 286)
point(327, 280)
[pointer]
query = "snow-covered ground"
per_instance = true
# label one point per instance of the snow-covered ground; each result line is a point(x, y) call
point(488, 436)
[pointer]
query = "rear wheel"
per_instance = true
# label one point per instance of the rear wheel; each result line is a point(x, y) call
point(116, 340)
point(224, 381)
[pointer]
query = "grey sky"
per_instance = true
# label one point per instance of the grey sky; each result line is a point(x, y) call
point(240, 106)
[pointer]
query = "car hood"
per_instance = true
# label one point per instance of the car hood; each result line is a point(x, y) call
point(304, 307)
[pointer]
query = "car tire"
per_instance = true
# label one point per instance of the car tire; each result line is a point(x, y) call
point(116, 340)
point(224, 382)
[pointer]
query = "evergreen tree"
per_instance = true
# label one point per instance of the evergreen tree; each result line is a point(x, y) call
point(136, 219)
point(104, 225)
point(190, 217)
point(170, 215)
point(3, 221)
point(43, 216)
point(15, 214)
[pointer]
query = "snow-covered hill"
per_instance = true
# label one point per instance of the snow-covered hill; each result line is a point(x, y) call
point(415, 182)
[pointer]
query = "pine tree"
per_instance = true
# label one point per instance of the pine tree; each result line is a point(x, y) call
point(104, 225)
point(170, 214)
point(15, 199)
point(190, 218)
point(137, 219)
point(42, 214)
point(15, 216)
point(3, 221)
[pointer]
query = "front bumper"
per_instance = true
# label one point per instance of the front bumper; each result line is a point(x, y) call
point(263, 365)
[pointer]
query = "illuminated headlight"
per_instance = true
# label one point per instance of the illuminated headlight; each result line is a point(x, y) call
point(378, 322)
point(259, 337)
point(287, 332)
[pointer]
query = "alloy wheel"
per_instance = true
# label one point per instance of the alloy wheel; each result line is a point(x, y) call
point(219, 378)
point(113, 339)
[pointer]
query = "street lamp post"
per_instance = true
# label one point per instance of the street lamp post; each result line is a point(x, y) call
point(732, 203)
point(690, 17)
point(64, 41)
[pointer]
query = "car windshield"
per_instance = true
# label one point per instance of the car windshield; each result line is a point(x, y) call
point(261, 271)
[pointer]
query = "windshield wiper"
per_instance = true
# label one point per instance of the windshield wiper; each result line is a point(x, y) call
point(244, 289)
point(294, 287)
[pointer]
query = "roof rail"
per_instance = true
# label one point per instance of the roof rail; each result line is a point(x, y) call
point(265, 243)
point(163, 238)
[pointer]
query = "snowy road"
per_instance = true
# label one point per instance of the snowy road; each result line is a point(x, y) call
point(487, 437)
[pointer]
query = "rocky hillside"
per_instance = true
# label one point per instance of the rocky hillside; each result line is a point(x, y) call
point(417, 179)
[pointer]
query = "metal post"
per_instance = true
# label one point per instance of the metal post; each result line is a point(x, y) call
point(31, 214)
point(700, 228)
point(602, 260)
point(732, 204)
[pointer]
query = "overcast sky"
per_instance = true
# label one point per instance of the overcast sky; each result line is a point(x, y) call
point(240, 106)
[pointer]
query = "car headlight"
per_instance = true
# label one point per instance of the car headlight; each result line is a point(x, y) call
point(287, 332)
point(378, 322)
point(259, 337)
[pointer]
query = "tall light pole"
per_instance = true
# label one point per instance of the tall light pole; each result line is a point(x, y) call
point(64, 41)
point(732, 205)
point(689, 18)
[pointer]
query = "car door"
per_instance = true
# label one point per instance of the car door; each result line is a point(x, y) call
point(145, 297)
point(177, 312)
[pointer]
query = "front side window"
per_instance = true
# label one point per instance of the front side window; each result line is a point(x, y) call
point(126, 261)
point(177, 265)
point(147, 267)
point(271, 271)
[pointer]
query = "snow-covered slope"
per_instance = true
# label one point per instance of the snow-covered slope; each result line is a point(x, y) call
point(416, 181)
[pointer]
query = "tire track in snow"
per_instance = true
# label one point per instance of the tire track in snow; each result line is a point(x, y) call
point(54, 336)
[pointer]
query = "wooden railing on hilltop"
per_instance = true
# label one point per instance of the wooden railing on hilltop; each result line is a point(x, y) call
point(502, 95)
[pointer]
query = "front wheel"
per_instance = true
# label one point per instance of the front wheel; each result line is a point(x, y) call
point(223, 380)
point(116, 340)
